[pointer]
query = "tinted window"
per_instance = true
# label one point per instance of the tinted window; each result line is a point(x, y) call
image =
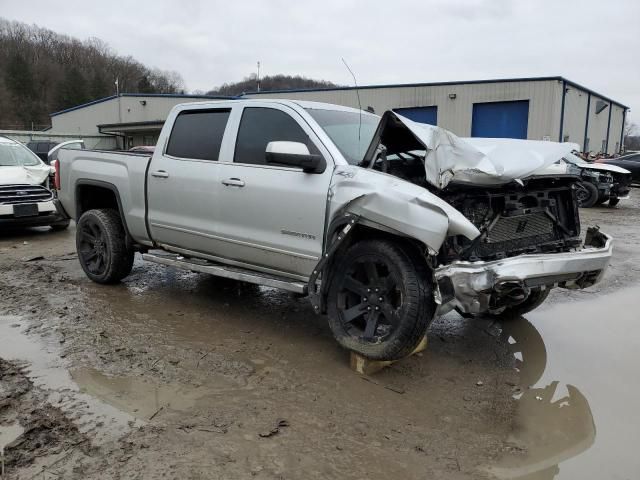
point(198, 134)
point(259, 126)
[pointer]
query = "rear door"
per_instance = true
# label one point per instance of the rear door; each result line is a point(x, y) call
point(181, 193)
point(272, 216)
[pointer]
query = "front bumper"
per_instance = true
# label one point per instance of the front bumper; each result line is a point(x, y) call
point(470, 286)
point(49, 213)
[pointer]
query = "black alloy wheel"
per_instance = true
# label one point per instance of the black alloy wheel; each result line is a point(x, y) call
point(369, 300)
point(92, 247)
point(380, 301)
point(103, 250)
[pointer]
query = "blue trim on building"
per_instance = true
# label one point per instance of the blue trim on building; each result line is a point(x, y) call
point(586, 124)
point(564, 98)
point(606, 145)
point(437, 84)
point(166, 95)
point(624, 118)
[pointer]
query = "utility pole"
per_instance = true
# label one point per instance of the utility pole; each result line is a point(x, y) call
point(258, 77)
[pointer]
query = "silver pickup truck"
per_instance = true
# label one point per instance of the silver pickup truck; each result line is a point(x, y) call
point(383, 222)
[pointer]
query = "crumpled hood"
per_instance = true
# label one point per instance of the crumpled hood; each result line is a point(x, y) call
point(603, 167)
point(35, 175)
point(480, 161)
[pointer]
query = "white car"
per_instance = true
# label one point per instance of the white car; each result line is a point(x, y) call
point(25, 196)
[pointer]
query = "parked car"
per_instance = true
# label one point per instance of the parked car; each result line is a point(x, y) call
point(601, 182)
point(629, 162)
point(41, 149)
point(383, 222)
point(25, 196)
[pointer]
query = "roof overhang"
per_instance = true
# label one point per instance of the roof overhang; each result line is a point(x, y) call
point(131, 127)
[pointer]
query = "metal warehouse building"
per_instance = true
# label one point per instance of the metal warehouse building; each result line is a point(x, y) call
point(124, 121)
point(542, 108)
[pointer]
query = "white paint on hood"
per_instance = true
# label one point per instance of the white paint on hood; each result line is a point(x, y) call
point(571, 158)
point(35, 175)
point(481, 161)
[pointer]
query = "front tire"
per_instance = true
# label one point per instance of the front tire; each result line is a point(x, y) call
point(102, 247)
point(586, 194)
point(380, 300)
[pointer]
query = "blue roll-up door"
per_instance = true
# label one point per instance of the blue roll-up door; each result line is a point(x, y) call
point(500, 119)
point(420, 114)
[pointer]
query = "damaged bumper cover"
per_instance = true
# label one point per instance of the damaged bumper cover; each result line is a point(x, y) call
point(470, 286)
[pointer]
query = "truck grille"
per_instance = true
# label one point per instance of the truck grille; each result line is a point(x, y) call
point(541, 217)
point(519, 227)
point(24, 194)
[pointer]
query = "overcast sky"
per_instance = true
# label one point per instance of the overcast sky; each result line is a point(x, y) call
point(593, 42)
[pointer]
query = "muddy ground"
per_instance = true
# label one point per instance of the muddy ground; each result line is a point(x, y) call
point(174, 374)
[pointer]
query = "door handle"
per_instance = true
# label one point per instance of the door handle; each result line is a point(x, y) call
point(233, 182)
point(160, 174)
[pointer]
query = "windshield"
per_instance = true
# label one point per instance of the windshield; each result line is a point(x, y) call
point(343, 127)
point(17, 155)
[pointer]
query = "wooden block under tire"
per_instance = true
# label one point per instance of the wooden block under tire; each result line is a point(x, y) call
point(365, 366)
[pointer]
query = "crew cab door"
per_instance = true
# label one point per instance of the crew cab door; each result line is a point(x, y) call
point(272, 216)
point(182, 179)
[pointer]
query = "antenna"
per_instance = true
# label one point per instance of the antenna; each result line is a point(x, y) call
point(355, 82)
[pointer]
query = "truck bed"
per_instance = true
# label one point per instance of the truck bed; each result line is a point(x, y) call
point(122, 172)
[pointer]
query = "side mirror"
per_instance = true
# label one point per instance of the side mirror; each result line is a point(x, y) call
point(294, 154)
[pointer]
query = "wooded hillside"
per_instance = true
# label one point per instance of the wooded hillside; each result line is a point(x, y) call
point(42, 72)
point(273, 82)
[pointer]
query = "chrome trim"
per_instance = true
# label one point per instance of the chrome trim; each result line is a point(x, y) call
point(226, 272)
point(474, 282)
point(234, 263)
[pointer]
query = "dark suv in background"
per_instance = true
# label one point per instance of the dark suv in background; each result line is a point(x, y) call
point(41, 149)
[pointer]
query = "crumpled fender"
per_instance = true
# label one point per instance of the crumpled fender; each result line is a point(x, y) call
point(397, 205)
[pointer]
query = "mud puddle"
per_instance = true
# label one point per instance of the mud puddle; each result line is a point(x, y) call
point(47, 371)
point(577, 414)
point(140, 397)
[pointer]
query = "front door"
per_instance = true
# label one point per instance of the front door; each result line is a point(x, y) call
point(272, 216)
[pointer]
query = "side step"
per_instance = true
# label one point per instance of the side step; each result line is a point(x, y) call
point(203, 266)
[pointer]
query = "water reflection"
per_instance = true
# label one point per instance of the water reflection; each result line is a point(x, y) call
point(553, 422)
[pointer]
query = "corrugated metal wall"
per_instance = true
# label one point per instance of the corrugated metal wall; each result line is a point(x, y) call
point(453, 114)
point(545, 107)
point(116, 110)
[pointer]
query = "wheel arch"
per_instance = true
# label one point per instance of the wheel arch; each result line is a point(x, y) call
point(364, 230)
point(90, 194)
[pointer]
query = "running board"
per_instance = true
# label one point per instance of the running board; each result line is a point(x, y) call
point(204, 266)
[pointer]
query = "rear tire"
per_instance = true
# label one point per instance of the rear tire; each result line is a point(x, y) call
point(587, 194)
point(102, 246)
point(380, 300)
point(533, 301)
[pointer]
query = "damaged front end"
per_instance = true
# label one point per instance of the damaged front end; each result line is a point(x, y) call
point(497, 220)
point(486, 286)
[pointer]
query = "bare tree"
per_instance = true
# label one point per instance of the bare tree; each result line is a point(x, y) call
point(42, 71)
